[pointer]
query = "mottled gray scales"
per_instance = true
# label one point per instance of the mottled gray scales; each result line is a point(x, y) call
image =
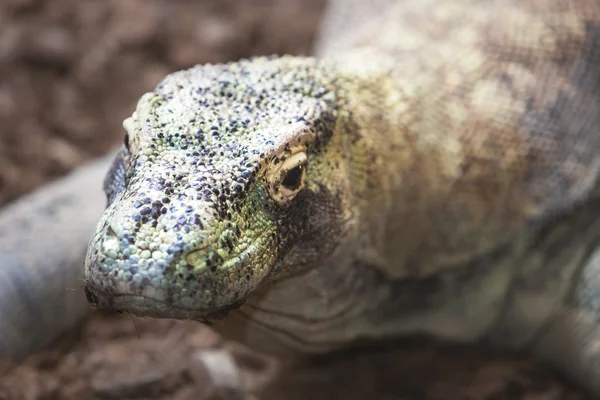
point(43, 238)
point(433, 170)
point(192, 215)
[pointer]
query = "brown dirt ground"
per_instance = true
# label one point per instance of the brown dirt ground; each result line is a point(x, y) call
point(70, 71)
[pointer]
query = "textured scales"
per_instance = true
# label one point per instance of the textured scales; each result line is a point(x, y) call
point(43, 240)
point(435, 170)
point(190, 230)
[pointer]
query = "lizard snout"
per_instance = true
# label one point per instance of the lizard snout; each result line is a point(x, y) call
point(181, 268)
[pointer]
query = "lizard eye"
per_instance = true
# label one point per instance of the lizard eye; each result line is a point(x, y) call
point(287, 180)
point(293, 178)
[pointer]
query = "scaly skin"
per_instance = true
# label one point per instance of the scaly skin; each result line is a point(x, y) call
point(434, 171)
point(43, 239)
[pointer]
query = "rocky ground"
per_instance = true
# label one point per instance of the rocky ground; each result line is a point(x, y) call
point(70, 71)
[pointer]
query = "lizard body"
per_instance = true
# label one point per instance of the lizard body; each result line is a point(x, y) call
point(433, 170)
point(43, 239)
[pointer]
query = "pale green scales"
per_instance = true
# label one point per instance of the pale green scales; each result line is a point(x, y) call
point(434, 170)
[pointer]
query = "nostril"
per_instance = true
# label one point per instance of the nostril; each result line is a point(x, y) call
point(111, 243)
point(111, 232)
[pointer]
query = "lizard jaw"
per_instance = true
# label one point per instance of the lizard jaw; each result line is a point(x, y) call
point(152, 289)
point(148, 307)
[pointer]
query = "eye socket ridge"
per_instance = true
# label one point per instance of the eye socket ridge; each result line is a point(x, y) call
point(287, 180)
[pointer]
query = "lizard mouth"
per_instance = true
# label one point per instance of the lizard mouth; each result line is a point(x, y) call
point(162, 292)
point(144, 306)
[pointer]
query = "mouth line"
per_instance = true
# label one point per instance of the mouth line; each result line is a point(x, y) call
point(144, 305)
point(150, 307)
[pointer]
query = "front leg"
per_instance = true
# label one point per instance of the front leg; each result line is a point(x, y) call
point(571, 339)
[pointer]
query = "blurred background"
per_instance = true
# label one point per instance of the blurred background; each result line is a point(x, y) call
point(70, 72)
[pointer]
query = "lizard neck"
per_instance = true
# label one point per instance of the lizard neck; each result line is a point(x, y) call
point(387, 163)
point(317, 304)
point(393, 178)
point(427, 197)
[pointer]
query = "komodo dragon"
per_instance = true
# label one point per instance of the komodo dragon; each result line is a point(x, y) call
point(434, 169)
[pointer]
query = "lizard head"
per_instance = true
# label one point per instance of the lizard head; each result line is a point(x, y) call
point(222, 184)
